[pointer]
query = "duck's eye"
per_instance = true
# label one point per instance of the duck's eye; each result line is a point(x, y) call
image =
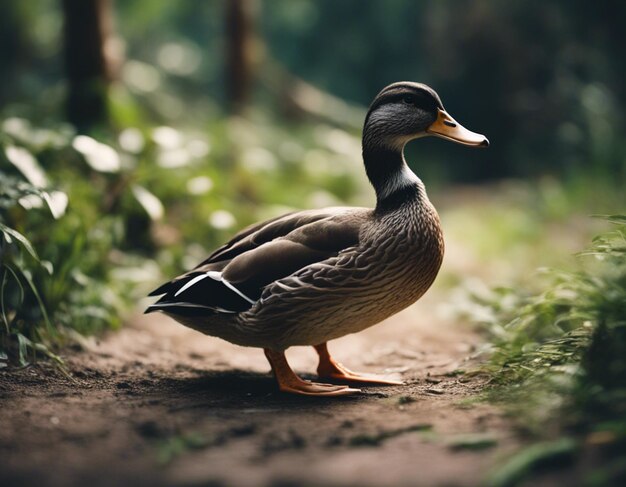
point(408, 99)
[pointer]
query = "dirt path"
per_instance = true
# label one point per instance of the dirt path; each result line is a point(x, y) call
point(158, 404)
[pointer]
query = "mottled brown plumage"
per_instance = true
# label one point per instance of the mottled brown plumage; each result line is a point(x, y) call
point(308, 277)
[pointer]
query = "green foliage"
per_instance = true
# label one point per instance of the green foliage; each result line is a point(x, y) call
point(562, 353)
point(53, 267)
point(18, 264)
point(532, 332)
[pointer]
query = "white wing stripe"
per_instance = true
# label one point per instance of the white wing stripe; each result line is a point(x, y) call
point(216, 276)
point(233, 288)
point(191, 283)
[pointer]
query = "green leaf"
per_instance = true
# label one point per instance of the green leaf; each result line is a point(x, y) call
point(621, 219)
point(40, 347)
point(101, 157)
point(57, 203)
point(618, 218)
point(150, 203)
point(5, 318)
point(23, 344)
point(529, 459)
point(40, 302)
point(472, 442)
point(29, 280)
point(20, 238)
point(19, 283)
point(27, 165)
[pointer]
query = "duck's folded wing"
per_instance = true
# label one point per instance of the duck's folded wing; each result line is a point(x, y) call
point(232, 278)
point(261, 233)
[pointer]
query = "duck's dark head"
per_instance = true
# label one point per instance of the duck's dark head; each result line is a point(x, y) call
point(405, 111)
point(400, 113)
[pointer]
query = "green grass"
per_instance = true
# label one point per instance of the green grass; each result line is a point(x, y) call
point(558, 361)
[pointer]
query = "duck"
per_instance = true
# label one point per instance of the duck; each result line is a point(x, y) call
point(308, 277)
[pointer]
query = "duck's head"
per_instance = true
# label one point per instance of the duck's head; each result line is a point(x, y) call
point(404, 111)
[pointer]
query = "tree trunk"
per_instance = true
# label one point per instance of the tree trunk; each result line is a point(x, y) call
point(88, 26)
point(240, 52)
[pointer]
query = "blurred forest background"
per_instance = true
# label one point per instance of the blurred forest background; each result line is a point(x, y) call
point(137, 135)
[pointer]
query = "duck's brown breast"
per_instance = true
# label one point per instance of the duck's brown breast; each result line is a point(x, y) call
point(405, 251)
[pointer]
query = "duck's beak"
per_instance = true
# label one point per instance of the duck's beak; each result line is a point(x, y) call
point(448, 128)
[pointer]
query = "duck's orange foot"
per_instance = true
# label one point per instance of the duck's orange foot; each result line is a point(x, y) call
point(289, 382)
point(339, 373)
point(306, 388)
point(331, 370)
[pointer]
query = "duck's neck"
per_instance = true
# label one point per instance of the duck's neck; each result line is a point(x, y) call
point(393, 180)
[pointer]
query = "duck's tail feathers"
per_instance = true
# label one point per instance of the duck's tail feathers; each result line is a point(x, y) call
point(200, 293)
point(183, 308)
point(169, 286)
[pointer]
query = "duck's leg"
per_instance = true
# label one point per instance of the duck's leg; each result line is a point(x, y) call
point(330, 369)
point(288, 381)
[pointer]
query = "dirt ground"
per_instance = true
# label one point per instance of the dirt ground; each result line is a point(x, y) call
point(158, 404)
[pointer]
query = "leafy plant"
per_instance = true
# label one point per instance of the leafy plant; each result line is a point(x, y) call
point(18, 259)
point(53, 269)
point(562, 354)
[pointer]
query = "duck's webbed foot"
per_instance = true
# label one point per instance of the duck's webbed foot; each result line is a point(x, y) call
point(288, 381)
point(331, 370)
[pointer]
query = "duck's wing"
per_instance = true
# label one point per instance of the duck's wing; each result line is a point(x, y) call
point(232, 278)
point(260, 233)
